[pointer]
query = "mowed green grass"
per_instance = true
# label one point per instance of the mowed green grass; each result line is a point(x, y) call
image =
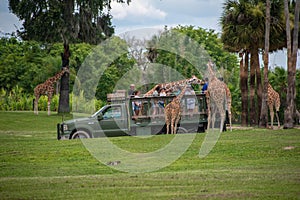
point(244, 164)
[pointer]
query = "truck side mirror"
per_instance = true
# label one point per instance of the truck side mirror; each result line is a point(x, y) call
point(100, 116)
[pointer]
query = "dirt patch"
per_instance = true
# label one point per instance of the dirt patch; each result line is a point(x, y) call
point(289, 148)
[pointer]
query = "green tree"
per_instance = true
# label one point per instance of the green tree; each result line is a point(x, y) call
point(292, 49)
point(243, 28)
point(102, 68)
point(67, 21)
point(210, 43)
point(207, 39)
point(263, 122)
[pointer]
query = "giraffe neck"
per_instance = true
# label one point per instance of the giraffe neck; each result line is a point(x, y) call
point(270, 87)
point(210, 71)
point(174, 84)
point(179, 97)
point(56, 77)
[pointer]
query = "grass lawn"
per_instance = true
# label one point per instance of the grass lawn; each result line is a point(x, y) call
point(244, 164)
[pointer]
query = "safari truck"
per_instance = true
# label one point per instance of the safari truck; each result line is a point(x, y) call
point(118, 118)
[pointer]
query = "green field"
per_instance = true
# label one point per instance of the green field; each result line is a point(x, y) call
point(244, 164)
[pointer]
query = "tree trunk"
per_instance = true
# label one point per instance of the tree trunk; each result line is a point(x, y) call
point(66, 33)
point(263, 120)
point(294, 55)
point(292, 60)
point(258, 90)
point(246, 85)
point(64, 106)
point(244, 88)
point(253, 68)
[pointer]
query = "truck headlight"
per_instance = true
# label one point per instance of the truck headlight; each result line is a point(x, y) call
point(65, 127)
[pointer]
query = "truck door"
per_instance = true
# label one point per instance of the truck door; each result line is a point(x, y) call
point(114, 121)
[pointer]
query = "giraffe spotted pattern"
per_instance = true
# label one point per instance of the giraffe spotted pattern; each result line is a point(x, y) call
point(47, 88)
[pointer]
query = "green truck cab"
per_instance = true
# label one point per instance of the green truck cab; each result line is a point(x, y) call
point(118, 119)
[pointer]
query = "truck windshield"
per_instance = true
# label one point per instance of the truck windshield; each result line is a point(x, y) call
point(96, 113)
point(109, 112)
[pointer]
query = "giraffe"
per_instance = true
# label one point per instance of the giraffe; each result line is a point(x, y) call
point(47, 88)
point(273, 100)
point(217, 93)
point(173, 111)
point(174, 84)
point(228, 103)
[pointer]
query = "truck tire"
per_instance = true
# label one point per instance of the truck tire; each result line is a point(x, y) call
point(181, 130)
point(79, 134)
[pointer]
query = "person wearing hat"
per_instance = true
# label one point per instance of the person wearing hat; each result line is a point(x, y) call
point(131, 90)
point(190, 101)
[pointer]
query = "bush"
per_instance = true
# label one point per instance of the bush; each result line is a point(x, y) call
point(18, 100)
point(81, 105)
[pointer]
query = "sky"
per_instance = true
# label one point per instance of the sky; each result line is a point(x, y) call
point(145, 14)
point(158, 13)
point(155, 14)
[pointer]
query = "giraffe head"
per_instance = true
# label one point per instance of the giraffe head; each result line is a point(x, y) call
point(62, 72)
point(65, 69)
point(211, 73)
point(57, 76)
point(194, 80)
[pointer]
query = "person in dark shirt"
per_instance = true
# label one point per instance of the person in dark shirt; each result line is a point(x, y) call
point(204, 87)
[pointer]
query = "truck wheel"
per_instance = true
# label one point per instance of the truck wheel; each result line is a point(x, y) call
point(181, 130)
point(80, 134)
point(132, 132)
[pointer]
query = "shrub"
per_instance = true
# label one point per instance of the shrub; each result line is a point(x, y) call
point(17, 99)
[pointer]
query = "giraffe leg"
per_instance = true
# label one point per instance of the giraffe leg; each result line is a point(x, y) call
point(228, 100)
point(222, 120)
point(229, 116)
point(277, 118)
point(208, 121)
point(167, 125)
point(271, 115)
point(176, 122)
point(208, 112)
point(172, 125)
point(36, 101)
point(208, 118)
point(213, 119)
point(222, 114)
point(49, 103)
point(277, 106)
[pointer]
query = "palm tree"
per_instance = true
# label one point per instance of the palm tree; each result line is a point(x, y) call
point(244, 86)
point(243, 28)
point(235, 40)
point(292, 49)
point(264, 108)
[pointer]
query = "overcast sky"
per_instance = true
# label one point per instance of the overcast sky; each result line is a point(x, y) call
point(153, 14)
point(145, 14)
point(158, 13)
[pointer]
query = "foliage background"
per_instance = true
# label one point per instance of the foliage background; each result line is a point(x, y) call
point(25, 64)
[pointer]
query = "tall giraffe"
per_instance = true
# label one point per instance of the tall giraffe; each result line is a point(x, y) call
point(273, 100)
point(173, 85)
point(173, 111)
point(217, 93)
point(228, 103)
point(47, 88)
